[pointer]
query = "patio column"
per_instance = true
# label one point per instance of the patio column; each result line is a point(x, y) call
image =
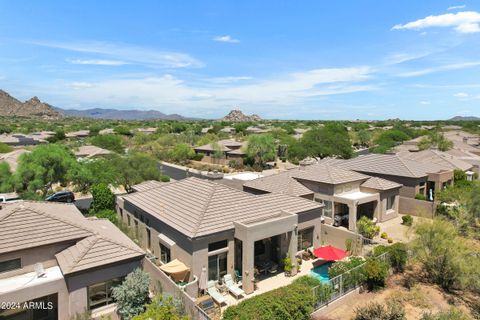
point(248, 266)
point(352, 217)
point(292, 249)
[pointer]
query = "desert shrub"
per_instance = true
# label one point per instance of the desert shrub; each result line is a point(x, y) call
point(384, 235)
point(5, 148)
point(165, 308)
point(420, 196)
point(367, 228)
point(376, 272)
point(103, 198)
point(107, 214)
point(376, 311)
point(197, 156)
point(380, 249)
point(132, 295)
point(407, 220)
point(164, 178)
point(291, 302)
point(452, 314)
point(398, 256)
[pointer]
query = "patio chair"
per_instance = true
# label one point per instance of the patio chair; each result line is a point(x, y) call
point(232, 287)
point(214, 293)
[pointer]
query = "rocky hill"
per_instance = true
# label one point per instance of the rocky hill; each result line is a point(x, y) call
point(9, 107)
point(238, 116)
point(467, 118)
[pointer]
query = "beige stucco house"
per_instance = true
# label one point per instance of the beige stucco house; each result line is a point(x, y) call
point(346, 194)
point(208, 225)
point(51, 253)
point(222, 152)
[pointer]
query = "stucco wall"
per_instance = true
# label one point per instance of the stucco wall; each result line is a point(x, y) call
point(414, 207)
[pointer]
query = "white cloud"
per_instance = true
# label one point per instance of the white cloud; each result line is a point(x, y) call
point(456, 7)
point(223, 80)
point(226, 38)
point(448, 67)
point(463, 22)
point(425, 102)
point(461, 95)
point(175, 95)
point(100, 62)
point(127, 53)
point(401, 57)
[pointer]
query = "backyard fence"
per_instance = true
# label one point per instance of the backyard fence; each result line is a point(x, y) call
point(342, 284)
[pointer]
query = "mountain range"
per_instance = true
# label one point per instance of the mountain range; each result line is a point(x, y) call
point(466, 118)
point(34, 108)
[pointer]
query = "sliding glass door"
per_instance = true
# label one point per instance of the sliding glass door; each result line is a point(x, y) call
point(217, 266)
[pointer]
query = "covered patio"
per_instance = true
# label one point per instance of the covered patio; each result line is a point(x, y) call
point(359, 204)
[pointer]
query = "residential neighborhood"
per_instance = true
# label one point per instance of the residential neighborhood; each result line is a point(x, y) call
point(219, 160)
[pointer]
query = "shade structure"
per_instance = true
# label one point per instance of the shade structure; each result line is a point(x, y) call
point(202, 281)
point(329, 253)
point(176, 269)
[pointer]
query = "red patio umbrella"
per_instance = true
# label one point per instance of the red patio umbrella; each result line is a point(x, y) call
point(329, 253)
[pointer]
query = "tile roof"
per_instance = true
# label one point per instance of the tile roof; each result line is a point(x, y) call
point(327, 173)
point(225, 145)
point(91, 151)
point(389, 165)
point(147, 185)
point(25, 225)
point(436, 157)
point(282, 183)
point(197, 207)
point(380, 184)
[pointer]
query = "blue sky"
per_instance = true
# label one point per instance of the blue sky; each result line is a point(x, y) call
point(318, 60)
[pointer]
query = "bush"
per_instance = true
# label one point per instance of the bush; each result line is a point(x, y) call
point(5, 148)
point(390, 240)
point(103, 198)
point(380, 249)
point(384, 235)
point(376, 272)
point(107, 214)
point(197, 156)
point(110, 142)
point(367, 227)
point(132, 295)
point(165, 308)
point(398, 256)
point(407, 220)
point(376, 311)
point(340, 267)
point(288, 266)
point(164, 178)
point(420, 196)
point(291, 302)
point(452, 314)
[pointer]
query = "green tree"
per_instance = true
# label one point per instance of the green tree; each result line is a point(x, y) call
point(441, 253)
point(367, 228)
point(58, 136)
point(135, 168)
point(110, 142)
point(163, 308)
point(330, 140)
point(44, 166)
point(103, 198)
point(376, 271)
point(6, 178)
point(107, 214)
point(261, 148)
point(181, 153)
point(96, 171)
point(132, 295)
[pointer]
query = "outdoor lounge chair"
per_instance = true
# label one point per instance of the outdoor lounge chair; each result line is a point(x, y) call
point(232, 287)
point(238, 277)
point(214, 293)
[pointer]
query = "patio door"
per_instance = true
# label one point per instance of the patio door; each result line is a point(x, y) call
point(217, 266)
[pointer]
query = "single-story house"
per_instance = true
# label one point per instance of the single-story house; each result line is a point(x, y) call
point(222, 152)
point(90, 152)
point(50, 253)
point(344, 193)
point(78, 134)
point(207, 225)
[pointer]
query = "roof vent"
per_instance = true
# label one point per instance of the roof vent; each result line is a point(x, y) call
point(39, 271)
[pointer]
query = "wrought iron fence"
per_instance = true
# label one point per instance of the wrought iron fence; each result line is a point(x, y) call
point(342, 284)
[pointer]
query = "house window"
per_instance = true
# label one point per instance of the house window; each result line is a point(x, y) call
point(305, 239)
point(327, 209)
point(100, 294)
point(259, 248)
point(217, 245)
point(217, 266)
point(164, 254)
point(390, 202)
point(10, 265)
point(149, 240)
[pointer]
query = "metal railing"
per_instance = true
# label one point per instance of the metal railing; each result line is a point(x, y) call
point(342, 284)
